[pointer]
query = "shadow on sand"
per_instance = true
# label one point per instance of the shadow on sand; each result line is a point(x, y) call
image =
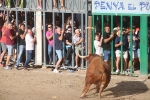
point(126, 88)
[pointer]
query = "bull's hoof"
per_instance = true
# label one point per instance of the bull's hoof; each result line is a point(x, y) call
point(81, 96)
point(99, 96)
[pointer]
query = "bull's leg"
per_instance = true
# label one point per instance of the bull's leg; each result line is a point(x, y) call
point(103, 84)
point(86, 88)
point(97, 88)
point(102, 87)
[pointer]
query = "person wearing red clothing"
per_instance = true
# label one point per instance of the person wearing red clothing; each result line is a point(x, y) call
point(3, 45)
point(10, 36)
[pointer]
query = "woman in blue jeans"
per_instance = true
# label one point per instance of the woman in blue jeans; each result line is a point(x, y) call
point(49, 36)
point(30, 40)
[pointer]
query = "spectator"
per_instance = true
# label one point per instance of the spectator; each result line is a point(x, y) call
point(1, 19)
point(77, 39)
point(10, 36)
point(58, 47)
point(98, 44)
point(49, 36)
point(14, 56)
point(118, 44)
point(107, 40)
point(134, 48)
point(39, 4)
point(61, 2)
point(0, 3)
point(137, 33)
point(7, 3)
point(69, 46)
point(19, 3)
point(22, 33)
point(3, 43)
point(29, 40)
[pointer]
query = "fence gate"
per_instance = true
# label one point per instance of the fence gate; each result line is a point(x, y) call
point(41, 17)
point(128, 16)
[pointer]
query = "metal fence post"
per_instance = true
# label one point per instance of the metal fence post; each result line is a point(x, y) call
point(131, 51)
point(112, 46)
point(121, 45)
point(144, 45)
point(93, 33)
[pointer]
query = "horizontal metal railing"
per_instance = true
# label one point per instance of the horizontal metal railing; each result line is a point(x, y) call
point(47, 5)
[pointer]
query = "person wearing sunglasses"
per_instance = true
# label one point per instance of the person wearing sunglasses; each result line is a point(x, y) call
point(49, 36)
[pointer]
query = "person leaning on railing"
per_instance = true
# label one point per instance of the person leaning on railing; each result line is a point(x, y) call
point(19, 3)
point(39, 4)
point(0, 3)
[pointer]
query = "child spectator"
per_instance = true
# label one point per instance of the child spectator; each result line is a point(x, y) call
point(98, 44)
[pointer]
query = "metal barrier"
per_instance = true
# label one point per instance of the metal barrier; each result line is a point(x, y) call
point(99, 21)
point(74, 8)
point(47, 5)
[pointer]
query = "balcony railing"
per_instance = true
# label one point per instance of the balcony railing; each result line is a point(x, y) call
point(47, 5)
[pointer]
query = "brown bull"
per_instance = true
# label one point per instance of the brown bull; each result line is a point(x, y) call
point(98, 73)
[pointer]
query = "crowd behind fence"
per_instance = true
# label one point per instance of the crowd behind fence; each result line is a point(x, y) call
point(72, 29)
point(46, 5)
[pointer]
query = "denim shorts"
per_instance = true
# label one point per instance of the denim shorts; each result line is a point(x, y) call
point(134, 53)
point(10, 49)
point(138, 53)
point(106, 55)
point(4, 47)
point(59, 53)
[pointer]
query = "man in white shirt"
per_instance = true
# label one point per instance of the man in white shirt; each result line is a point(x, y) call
point(30, 40)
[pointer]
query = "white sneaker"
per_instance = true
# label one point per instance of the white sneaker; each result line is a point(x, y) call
point(126, 72)
point(7, 68)
point(76, 66)
point(15, 66)
point(117, 71)
point(55, 71)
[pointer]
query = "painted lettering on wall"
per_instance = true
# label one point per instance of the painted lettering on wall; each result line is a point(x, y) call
point(121, 6)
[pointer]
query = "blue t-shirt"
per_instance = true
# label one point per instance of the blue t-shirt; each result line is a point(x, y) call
point(125, 42)
point(58, 43)
point(117, 40)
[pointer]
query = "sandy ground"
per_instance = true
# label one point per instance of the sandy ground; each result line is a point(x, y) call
point(43, 84)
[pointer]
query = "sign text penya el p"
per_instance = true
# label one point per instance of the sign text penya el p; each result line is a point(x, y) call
point(121, 6)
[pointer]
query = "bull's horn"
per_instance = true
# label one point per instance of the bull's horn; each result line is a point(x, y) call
point(83, 56)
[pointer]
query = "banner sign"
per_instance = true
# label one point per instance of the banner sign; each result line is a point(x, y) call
point(121, 6)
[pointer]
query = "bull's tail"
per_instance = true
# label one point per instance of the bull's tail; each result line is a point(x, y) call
point(83, 56)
